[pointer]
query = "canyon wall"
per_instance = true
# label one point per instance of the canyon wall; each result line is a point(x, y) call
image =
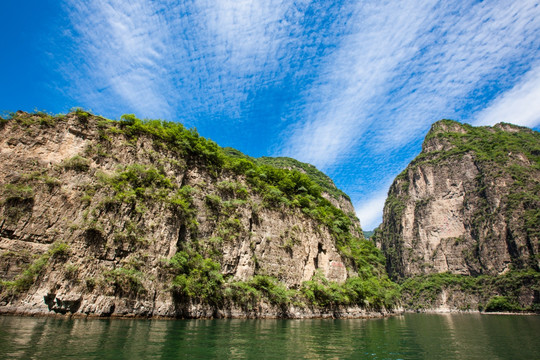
point(136, 218)
point(468, 204)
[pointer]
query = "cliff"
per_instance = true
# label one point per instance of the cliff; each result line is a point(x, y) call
point(468, 205)
point(147, 218)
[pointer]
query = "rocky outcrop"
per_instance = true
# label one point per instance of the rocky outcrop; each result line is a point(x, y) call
point(149, 219)
point(468, 204)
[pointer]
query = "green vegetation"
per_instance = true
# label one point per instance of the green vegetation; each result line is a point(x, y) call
point(282, 185)
point(421, 292)
point(268, 288)
point(232, 189)
point(71, 271)
point(138, 182)
point(395, 204)
point(493, 145)
point(24, 281)
point(17, 200)
point(82, 115)
point(501, 304)
point(279, 188)
point(77, 163)
point(140, 186)
point(124, 281)
point(243, 294)
point(504, 154)
point(59, 250)
point(370, 292)
point(173, 136)
point(515, 152)
point(489, 143)
point(368, 234)
point(19, 196)
point(3, 122)
point(196, 277)
point(41, 118)
point(131, 234)
point(200, 279)
point(230, 228)
point(28, 277)
point(320, 178)
point(17, 193)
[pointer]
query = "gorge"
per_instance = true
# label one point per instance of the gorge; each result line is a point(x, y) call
point(144, 218)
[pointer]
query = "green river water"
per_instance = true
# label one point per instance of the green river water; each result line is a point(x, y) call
point(410, 336)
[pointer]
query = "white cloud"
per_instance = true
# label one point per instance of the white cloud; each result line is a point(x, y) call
point(466, 49)
point(340, 103)
point(248, 32)
point(161, 58)
point(520, 105)
point(121, 48)
point(239, 47)
point(401, 67)
point(370, 211)
point(406, 65)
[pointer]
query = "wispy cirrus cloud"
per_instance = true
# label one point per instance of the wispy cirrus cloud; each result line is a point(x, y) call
point(520, 105)
point(370, 210)
point(118, 55)
point(406, 65)
point(232, 47)
point(341, 102)
point(161, 58)
point(470, 54)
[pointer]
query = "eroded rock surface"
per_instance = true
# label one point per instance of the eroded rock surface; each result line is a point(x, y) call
point(91, 216)
point(468, 204)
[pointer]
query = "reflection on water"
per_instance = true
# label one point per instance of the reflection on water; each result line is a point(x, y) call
point(412, 336)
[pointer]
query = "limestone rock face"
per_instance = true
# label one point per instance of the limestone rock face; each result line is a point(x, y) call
point(62, 182)
point(468, 204)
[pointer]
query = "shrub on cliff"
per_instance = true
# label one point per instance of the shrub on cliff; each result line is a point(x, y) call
point(501, 304)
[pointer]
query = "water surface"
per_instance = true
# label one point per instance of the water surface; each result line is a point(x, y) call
point(411, 336)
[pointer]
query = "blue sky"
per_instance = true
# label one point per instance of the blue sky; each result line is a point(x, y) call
point(349, 86)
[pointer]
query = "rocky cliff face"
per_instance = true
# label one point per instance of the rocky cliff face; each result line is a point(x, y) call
point(137, 218)
point(468, 204)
